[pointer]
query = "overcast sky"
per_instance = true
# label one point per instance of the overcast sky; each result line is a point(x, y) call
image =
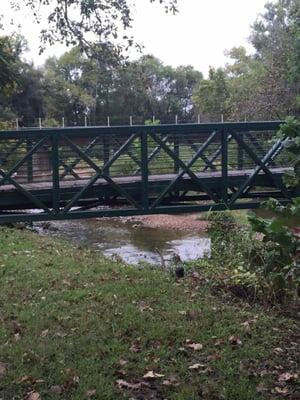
point(198, 35)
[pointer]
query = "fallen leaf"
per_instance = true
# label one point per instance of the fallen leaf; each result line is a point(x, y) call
point(193, 314)
point(195, 346)
point(152, 375)
point(280, 390)
point(56, 389)
point(45, 333)
point(218, 342)
point(235, 340)
point(195, 275)
point(246, 326)
point(214, 357)
point(145, 308)
point(287, 376)
point(17, 337)
point(182, 349)
point(171, 381)
point(122, 363)
point(122, 372)
point(278, 350)
point(264, 372)
point(135, 348)
point(72, 380)
point(26, 379)
point(33, 396)
point(2, 369)
point(197, 366)
point(91, 393)
point(60, 334)
point(261, 388)
point(127, 385)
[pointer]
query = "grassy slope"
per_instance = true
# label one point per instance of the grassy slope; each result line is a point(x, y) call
point(73, 324)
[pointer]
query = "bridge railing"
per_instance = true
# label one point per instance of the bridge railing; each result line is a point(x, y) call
point(144, 168)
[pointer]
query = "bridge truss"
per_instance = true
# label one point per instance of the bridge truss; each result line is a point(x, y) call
point(48, 174)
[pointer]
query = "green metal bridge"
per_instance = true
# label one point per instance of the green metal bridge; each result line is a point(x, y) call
point(48, 174)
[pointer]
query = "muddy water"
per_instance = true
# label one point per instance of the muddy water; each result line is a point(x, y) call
point(132, 242)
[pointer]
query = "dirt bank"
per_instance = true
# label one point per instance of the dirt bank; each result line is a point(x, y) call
point(182, 222)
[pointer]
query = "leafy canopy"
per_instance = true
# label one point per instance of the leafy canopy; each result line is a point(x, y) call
point(85, 22)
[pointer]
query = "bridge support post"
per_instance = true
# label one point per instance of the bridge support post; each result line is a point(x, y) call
point(144, 170)
point(29, 161)
point(224, 188)
point(176, 152)
point(240, 157)
point(55, 172)
point(106, 151)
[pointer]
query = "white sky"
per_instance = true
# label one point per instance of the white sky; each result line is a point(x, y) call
point(198, 35)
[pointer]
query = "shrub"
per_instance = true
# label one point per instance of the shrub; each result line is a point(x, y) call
point(258, 267)
point(282, 232)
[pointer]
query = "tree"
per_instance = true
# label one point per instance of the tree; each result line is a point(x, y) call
point(21, 93)
point(243, 82)
point(9, 54)
point(65, 91)
point(266, 84)
point(212, 96)
point(76, 85)
point(86, 23)
point(275, 37)
point(27, 99)
point(147, 87)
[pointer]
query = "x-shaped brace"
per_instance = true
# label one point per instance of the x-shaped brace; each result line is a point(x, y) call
point(186, 169)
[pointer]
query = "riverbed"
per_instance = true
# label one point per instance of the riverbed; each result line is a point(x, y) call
point(154, 240)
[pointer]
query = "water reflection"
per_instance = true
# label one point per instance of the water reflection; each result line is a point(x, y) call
point(133, 243)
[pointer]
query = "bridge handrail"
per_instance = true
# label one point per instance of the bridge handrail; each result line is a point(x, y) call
point(237, 127)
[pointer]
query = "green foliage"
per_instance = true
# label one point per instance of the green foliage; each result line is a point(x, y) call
point(9, 53)
point(51, 123)
point(6, 125)
point(67, 90)
point(271, 75)
point(282, 233)
point(232, 244)
point(212, 96)
point(222, 227)
point(76, 86)
point(291, 131)
point(281, 266)
point(151, 122)
point(81, 23)
point(99, 82)
point(263, 267)
point(22, 94)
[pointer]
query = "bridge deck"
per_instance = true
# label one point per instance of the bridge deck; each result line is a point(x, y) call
point(73, 183)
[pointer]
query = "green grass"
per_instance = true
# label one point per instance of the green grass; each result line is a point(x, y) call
point(73, 324)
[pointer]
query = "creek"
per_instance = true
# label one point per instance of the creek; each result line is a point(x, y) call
point(132, 242)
